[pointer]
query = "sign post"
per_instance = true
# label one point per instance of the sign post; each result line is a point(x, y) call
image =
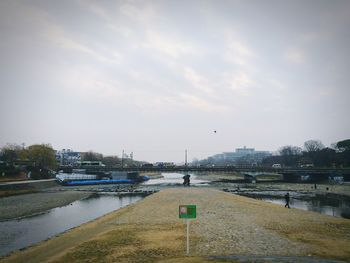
point(187, 212)
point(188, 237)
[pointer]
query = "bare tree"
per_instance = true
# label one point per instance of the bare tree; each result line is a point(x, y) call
point(290, 150)
point(313, 145)
point(290, 155)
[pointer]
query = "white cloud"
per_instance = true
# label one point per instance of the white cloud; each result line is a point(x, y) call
point(198, 81)
point(110, 21)
point(295, 56)
point(95, 8)
point(57, 35)
point(240, 83)
point(60, 38)
point(86, 83)
point(166, 44)
point(143, 13)
point(201, 104)
point(238, 53)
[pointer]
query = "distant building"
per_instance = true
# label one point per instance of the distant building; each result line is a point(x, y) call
point(247, 156)
point(244, 151)
point(68, 157)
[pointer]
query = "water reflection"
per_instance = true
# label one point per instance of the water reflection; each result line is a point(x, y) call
point(17, 234)
point(175, 179)
point(321, 204)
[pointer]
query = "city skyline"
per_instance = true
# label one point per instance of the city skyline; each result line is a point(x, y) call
point(158, 77)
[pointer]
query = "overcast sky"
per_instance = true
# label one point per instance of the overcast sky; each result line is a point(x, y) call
point(158, 77)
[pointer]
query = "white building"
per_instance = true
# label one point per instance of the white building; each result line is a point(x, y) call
point(68, 157)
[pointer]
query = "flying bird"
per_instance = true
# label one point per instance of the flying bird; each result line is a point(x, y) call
point(214, 131)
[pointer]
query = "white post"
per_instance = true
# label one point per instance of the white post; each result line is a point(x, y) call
point(188, 236)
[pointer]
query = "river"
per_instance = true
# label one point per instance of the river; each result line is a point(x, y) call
point(338, 207)
point(172, 179)
point(20, 233)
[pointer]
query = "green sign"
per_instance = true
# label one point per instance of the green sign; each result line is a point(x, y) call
point(187, 211)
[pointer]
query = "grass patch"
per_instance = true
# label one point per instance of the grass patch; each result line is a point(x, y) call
point(325, 240)
point(98, 249)
point(131, 243)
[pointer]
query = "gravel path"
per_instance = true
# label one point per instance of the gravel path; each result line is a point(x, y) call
point(29, 204)
point(226, 224)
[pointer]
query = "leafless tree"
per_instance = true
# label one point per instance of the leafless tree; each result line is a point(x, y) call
point(313, 145)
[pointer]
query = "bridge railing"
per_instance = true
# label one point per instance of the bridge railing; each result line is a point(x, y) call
point(312, 170)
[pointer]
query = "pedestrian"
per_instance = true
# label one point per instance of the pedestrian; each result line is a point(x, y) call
point(287, 200)
point(186, 180)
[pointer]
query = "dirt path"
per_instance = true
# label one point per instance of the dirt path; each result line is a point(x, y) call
point(150, 231)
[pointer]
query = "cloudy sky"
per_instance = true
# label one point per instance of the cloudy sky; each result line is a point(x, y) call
point(158, 77)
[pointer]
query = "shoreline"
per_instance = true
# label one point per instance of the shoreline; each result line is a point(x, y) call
point(20, 206)
point(226, 224)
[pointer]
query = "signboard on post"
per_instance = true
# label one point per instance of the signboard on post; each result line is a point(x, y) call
point(188, 212)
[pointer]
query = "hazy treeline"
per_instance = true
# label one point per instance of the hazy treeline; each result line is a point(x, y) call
point(313, 153)
point(110, 160)
point(40, 160)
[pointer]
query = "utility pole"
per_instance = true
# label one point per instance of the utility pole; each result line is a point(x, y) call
point(122, 158)
point(185, 157)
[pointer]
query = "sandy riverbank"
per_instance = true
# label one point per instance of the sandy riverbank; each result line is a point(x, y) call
point(150, 231)
point(29, 204)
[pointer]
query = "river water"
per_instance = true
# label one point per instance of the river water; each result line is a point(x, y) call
point(173, 179)
point(18, 234)
point(338, 207)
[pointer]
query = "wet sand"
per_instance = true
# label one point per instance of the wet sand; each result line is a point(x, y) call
point(226, 224)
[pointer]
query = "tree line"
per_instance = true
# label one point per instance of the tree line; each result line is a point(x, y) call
point(40, 160)
point(111, 160)
point(314, 154)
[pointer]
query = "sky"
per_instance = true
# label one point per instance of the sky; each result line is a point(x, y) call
point(158, 77)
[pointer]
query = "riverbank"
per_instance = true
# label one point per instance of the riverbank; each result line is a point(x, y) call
point(48, 194)
point(29, 204)
point(226, 224)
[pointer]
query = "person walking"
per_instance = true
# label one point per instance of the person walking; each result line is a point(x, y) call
point(287, 200)
point(186, 180)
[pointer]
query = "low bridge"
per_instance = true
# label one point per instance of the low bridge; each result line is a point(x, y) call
point(289, 174)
